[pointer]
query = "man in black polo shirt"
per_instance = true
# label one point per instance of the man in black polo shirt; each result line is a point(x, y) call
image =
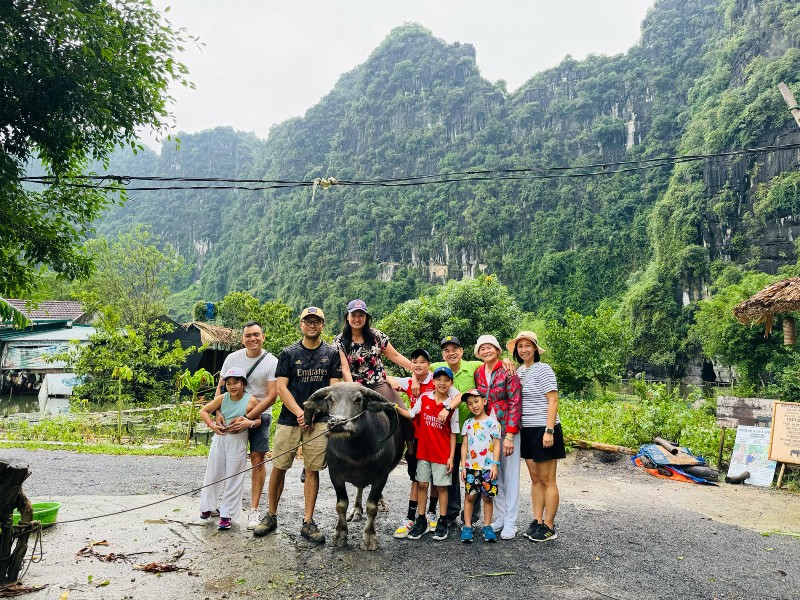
point(303, 368)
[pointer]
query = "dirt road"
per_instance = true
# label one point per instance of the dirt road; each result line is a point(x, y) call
point(622, 534)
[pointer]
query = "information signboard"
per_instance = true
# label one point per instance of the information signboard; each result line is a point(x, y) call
point(785, 442)
point(750, 454)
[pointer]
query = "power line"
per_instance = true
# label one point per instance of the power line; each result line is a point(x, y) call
point(120, 182)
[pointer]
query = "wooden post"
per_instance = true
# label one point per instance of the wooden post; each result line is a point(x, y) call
point(721, 448)
point(780, 475)
point(790, 101)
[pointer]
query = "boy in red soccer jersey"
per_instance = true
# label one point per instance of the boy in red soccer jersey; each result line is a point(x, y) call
point(421, 375)
point(436, 445)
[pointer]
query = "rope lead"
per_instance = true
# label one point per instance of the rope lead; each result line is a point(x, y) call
point(336, 421)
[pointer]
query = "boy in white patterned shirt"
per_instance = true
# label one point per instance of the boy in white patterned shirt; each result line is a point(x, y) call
point(480, 456)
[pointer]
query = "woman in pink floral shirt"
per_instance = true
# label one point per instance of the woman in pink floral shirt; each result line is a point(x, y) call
point(504, 395)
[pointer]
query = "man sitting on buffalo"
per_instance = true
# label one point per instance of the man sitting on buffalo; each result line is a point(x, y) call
point(303, 368)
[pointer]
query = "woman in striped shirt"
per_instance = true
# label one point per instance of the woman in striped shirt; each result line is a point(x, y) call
point(541, 439)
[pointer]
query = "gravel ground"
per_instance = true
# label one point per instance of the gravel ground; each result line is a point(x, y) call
point(622, 534)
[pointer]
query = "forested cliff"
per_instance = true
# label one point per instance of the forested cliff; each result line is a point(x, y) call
point(702, 80)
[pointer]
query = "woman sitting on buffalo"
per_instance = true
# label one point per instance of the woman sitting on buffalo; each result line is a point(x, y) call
point(361, 349)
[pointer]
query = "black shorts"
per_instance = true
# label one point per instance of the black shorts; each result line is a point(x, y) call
point(531, 444)
point(259, 436)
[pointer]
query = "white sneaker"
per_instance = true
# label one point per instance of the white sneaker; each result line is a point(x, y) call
point(508, 533)
point(433, 521)
point(497, 526)
point(402, 531)
point(253, 518)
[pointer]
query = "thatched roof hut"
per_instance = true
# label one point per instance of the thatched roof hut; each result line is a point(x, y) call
point(780, 297)
point(219, 338)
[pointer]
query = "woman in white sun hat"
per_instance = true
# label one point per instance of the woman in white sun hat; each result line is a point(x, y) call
point(541, 438)
point(504, 398)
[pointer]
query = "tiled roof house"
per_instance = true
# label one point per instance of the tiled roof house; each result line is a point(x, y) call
point(53, 310)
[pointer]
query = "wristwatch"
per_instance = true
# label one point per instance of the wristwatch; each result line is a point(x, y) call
point(549, 430)
point(448, 408)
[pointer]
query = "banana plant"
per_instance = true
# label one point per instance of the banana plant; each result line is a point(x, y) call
point(194, 383)
point(121, 373)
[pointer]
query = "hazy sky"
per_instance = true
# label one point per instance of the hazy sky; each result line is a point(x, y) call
point(265, 61)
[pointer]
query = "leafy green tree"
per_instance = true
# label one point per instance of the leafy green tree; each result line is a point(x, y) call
point(131, 278)
point(143, 349)
point(77, 79)
point(200, 311)
point(275, 318)
point(588, 348)
point(466, 308)
point(725, 340)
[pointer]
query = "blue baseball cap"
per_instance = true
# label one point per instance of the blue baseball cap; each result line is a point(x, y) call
point(446, 370)
point(355, 305)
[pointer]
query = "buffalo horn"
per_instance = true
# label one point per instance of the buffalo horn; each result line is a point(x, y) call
point(377, 403)
point(318, 402)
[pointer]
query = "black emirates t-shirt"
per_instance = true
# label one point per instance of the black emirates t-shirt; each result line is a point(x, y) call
point(308, 371)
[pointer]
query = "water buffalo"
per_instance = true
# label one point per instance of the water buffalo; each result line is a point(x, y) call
point(364, 445)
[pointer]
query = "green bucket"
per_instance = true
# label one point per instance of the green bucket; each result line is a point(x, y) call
point(44, 512)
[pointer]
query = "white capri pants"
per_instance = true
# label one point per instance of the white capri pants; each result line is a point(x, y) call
point(228, 455)
point(506, 504)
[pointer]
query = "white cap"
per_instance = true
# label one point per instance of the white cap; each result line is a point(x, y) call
point(487, 339)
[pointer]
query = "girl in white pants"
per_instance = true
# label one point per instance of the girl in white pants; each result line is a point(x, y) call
point(228, 454)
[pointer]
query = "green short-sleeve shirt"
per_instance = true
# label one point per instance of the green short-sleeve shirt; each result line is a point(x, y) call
point(463, 380)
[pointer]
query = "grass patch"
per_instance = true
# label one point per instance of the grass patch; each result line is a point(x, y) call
point(634, 421)
point(176, 449)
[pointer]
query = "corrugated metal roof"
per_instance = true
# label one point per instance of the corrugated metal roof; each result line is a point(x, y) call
point(50, 333)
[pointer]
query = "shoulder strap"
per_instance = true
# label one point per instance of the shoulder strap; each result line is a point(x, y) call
point(255, 364)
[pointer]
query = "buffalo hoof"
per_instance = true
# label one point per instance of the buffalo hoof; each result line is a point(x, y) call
point(370, 542)
point(356, 515)
point(339, 539)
